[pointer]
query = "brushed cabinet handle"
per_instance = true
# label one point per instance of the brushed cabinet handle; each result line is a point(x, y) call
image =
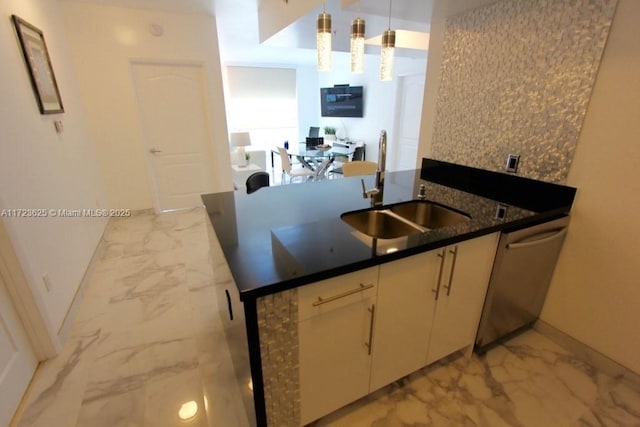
point(519, 245)
point(453, 267)
point(154, 150)
point(437, 289)
point(362, 287)
point(226, 291)
point(369, 345)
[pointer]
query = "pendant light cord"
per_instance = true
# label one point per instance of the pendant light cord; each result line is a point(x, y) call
point(390, 14)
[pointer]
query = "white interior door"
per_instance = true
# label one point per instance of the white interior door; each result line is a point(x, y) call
point(409, 115)
point(175, 120)
point(17, 360)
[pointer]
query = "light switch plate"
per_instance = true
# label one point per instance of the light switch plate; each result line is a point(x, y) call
point(512, 163)
point(58, 125)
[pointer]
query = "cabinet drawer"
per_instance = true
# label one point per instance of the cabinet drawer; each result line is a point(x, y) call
point(331, 294)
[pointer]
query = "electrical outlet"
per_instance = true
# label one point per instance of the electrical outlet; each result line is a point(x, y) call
point(512, 163)
point(501, 212)
point(47, 282)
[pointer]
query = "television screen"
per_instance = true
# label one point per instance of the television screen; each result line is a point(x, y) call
point(341, 101)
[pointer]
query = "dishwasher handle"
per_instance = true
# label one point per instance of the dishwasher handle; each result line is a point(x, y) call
point(528, 243)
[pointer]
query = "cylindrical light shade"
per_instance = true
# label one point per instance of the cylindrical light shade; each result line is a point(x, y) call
point(323, 42)
point(240, 139)
point(357, 46)
point(386, 55)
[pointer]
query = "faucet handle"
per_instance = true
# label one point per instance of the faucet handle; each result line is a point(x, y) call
point(368, 194)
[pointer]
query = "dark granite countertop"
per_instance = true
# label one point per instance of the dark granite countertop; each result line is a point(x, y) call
point(286, 236)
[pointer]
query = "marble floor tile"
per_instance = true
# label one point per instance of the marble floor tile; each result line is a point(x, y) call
point(528, 381)
point(59, 384)
point(126, 409)
point(147, 346)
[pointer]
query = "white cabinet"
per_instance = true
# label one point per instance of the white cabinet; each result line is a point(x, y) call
point(429, 306)
point(335, 327)
point(403, 317)
point(463, 286)
point(366, 329)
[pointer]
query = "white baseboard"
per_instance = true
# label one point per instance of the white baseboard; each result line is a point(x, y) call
point(69, 317)
point(588, 354)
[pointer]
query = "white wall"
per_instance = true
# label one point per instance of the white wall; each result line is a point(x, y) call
point(42, 169)
point(308, 96)
point(379, 98)
point(595, 293)
point(103, 42)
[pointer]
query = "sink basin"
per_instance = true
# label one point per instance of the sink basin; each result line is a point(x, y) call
point(428, 214)
point(379, 224)
point(403, 219)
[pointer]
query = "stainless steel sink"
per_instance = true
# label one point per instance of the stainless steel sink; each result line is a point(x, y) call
point(379, 224)
point(428, 214)
point(403, 219)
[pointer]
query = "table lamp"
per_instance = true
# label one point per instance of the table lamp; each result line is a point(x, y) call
point(241, 140)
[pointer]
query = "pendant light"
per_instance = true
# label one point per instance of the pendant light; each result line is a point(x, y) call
point(323, 41)
point(387, 50)
point(357, 44)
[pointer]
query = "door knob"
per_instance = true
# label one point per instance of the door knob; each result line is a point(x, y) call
point(154, 150)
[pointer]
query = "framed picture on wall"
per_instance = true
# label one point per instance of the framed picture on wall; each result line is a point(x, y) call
point(36, 56)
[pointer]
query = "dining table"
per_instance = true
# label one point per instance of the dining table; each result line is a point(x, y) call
point(312, 157)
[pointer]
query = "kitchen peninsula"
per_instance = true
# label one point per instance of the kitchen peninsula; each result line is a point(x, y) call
point(301, 276)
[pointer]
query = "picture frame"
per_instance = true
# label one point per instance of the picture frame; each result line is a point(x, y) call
point(38, 62)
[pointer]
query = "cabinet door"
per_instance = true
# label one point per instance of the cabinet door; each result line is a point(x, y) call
point(334, 340)
point(464, 285)
point(404, 316)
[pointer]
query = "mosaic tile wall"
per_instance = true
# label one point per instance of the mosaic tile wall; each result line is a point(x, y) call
point(278, 325)
point(517, 76)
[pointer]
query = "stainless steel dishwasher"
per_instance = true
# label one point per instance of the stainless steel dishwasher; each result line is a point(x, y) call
point(521, 275)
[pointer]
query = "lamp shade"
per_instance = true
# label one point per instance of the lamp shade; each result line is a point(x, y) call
point(240, 139)
point(323, 41)
point(357, 46)
point(386, 55)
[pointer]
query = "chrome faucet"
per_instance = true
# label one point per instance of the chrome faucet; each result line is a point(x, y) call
point(376, 193)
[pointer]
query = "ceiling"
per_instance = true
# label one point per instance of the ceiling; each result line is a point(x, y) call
point(237, 22)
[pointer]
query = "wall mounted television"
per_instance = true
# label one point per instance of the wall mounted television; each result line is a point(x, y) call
point(341, 101)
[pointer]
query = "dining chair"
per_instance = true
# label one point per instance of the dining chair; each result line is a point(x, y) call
point(256, 181)
point(288, 170)
point(358, 155)
point(359, 168)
